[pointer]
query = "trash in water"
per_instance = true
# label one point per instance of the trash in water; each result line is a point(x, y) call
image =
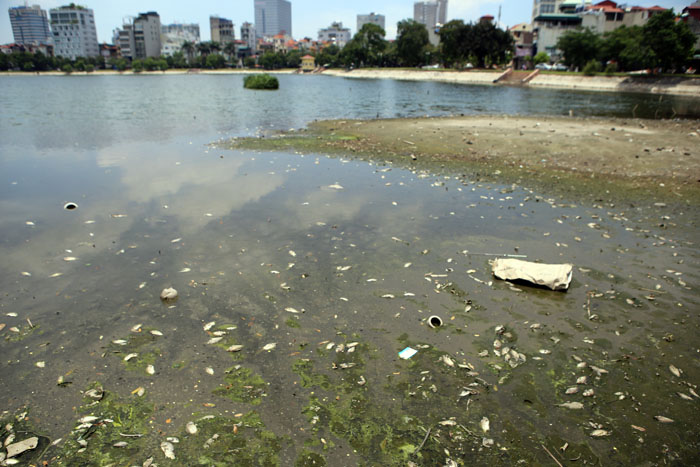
point(553, 276)
point(70, 206)
point(168, 294)
point(407, 353)
point(22, 446)
point(434, 321)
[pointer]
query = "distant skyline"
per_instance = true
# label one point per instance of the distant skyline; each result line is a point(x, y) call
point(307, 17)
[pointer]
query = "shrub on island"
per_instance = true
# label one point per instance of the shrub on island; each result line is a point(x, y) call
point(263, 81)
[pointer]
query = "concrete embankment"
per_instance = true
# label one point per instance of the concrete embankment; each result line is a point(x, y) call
point(663, 85)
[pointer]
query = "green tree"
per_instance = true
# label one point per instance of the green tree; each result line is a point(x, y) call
point(541, 57)
point(137, 66)
point(626, 47)
point(293, 59)
point(671, 42)
point(271, 61)
point(215, 61)
point(204, 48)
point(330, 56)
point(411, 41)
point(579, 47)
point(188, 48)
point(455, 43)
point(4, 62)
point(249, 62)
point(492, 45)
point(67, 68)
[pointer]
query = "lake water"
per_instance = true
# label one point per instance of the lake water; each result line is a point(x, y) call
point(338, 263)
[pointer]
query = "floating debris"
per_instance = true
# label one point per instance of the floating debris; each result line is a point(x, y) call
point(269, 347)
point(130, 356)
point(191, 428)
point(600, 433)
point(168, 294)
point(553, 276)
point(70, 206)
point(434, 321)
point(484, 424)
point(150, 369)
point(662, 419)
point(291, 310)
point(168, 449)
point(407, 353)
point(677, 372)
point(209, 370)
point(16, 449)
point(572, 405)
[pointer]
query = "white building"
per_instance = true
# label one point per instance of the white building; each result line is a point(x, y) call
point(174, 35)
point(433, 15)
point(140, 36)
point(273, 17)
point(371, 18)
point(335, 34)
point(74, 32)
point(248, 35)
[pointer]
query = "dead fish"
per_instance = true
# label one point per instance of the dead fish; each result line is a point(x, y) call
point(40, 364)
point(30, 223)
point(214, 340)
point(88, 419)
point(407, 265)
point(343, 268)
point(136, 328)
point(175, 240)
point(484, 424)
point(447, 361)
point(96, 393)
point(209, 325)
point(291, 310)
point(448, 423)
point(191, 428)
point(292, 253)
point(600, 433)
point(685, 396)
point(150, 369)
point(155, 332)
point(130, 356)
point(588, 392)
point(662, 419)
point(677, 372)
point(269, 347)
point(599, 371)
point(639, 428)
point(209, 370)
point(26, 274)
point(571, 405)
point(168, 449)
point(234, 348)
point(70, 258)
point(581, 380)
point(336, 186)
point(185, 270)
point(120, 444)
point(120, 342)
point(388, 295)
point(168, 294)
point(56, 274)
point(693, 393)
point(571, 390)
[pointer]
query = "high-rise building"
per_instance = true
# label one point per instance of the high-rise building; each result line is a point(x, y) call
point(74, 32)
point(30, 25)
point(221, 30)
point(371, 18)
point(335, 33)
point(248, 35)
point(174, 35)
point(273, 17)
point(432, 14)
point(140, 36)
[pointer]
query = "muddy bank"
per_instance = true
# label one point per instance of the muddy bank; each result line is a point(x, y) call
point(593, 157)
point(676, 86)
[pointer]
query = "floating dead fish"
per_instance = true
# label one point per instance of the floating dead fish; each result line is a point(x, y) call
point(168, 449)
point(119, 342)
point(234, 348)
point(88, 419)
point(168, 294)
point(56, 274)
point(553, 276)
point(407, 265)
point(96, 393)
point(684, 396)
point(209, 325)
point(16, 449)
point(26, 274)
point(581, 380)
point(136, 328)
point(269, 347)
point(214, 340)
point(388, 295)
point(484, 424)
point(588, 392)
point(209, 370)
point(191, 428)
point(571, 390)
point(130, 356)
point(447, 361)
point(639, 428)
point(139, 391)
point(572, 405)
point(175, 240)
point(291, 310)
point(185, 270)
point(336, 186)
point(142, 285)
point(599, 371)
point(120, 444)
point(292, 253)
point(677, 372)
point(155, 332)
point(343, 268)
point(600, 433)
point(448, 423)
point(70, 258)
point(150, 369)
point(662, 419)
point(40, 364)
point(30, 223)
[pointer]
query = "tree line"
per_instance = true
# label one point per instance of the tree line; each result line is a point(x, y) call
point(662, 43)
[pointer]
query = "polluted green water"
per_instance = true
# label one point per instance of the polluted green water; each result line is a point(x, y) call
point(300, 278)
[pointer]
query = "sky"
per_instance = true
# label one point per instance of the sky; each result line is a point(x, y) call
point(307, 16)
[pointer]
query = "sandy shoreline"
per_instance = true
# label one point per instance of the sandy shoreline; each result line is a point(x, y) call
point(638, 157)
point(689, 87)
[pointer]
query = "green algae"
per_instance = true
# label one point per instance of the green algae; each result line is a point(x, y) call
point(309, 458)
point(141, 343)
point(242, 385)
point(293, 323)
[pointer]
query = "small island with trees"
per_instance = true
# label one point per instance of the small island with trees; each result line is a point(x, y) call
point(261, 81)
